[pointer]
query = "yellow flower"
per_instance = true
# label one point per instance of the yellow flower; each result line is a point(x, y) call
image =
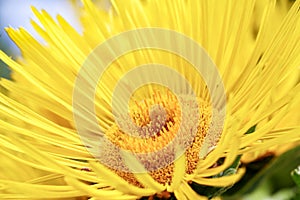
point(39, 133)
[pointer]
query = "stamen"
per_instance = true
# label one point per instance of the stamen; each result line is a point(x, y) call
point(151, 125)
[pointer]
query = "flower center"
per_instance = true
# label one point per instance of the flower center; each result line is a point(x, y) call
point(156, 122)
point(149, 126)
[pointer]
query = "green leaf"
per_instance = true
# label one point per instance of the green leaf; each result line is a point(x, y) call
point(268, 169)
point(296, 175)
point(210, 191)
point(251, 130)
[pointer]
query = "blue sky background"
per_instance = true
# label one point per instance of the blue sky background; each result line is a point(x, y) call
point(16, 13)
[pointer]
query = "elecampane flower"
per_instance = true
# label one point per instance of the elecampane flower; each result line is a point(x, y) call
point(258, 65)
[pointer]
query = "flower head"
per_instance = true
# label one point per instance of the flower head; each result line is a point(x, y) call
point(73, 158)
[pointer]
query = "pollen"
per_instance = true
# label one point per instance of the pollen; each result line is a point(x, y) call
point(152, 125)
